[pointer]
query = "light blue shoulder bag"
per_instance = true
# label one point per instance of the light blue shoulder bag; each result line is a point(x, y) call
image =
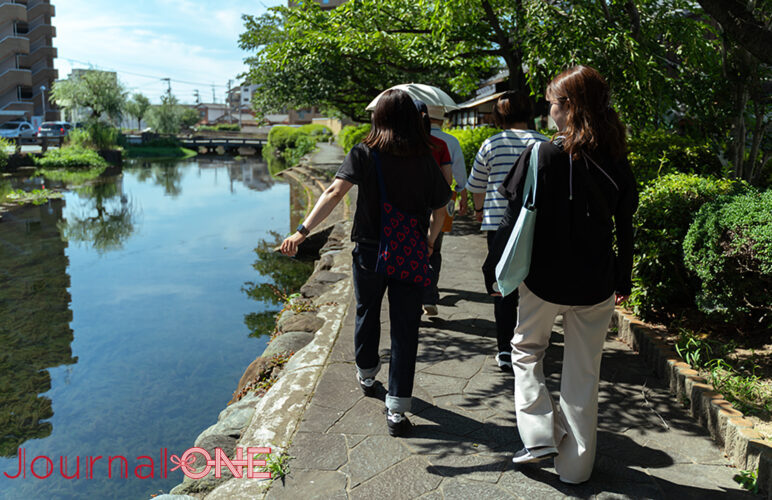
point(515, 262)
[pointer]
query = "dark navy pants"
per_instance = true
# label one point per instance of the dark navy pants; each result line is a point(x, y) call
point(404, 316)
point(431, 294)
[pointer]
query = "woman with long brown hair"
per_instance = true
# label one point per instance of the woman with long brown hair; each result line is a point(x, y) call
point(394, 161)
point(586, 195)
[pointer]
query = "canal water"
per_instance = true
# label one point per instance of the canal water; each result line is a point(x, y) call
point(128, 311)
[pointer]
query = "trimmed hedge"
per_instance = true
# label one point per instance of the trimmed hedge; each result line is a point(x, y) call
point(70, 156)
point(286, 145)
point(655, 154)
point(351, 135)
point(471, 139)
point(665, 212)
point(729, 247)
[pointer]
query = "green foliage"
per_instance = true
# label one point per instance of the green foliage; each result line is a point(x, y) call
point(278, 466)
point(471, 139)
point(98, 91)
point(319, 132)
point(167, 117)
point(189, 117)
point(221, 127)
point(700, 351)
point(137, 106)
point(286, 275)
point(261, 324)
point(744, 389)
point(5, 146)
point(665, 212)
point(70, 156)
point(286, 145)
point(729, 247)
point(36, 196)
point(96, 135)
point(351, 135)
point(748, 479)
point(71, 176)
point(658, 153)
point(159, 152)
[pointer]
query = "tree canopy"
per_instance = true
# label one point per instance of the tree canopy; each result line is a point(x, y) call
point(137, 106)
point(669, 63)
point(98, 91)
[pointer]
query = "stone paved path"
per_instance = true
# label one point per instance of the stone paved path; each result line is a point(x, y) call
point(465, 432)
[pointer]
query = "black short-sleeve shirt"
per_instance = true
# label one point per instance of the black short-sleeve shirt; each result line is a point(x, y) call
point(414, 184)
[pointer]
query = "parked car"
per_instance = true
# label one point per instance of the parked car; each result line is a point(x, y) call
point(53, 129)
point(17, 130)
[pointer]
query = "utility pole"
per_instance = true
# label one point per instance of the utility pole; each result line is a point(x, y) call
point(197, 96)
point(168, 86)
point(228, 101)
point(214, 99)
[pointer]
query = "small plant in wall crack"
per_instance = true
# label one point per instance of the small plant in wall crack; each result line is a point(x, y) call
point(748, 479)
point(276, 464)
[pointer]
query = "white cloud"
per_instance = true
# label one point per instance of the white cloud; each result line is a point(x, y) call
point(185, 40)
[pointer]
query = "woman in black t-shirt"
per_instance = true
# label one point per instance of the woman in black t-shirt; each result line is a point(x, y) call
point(413, 185)
point(586, 196)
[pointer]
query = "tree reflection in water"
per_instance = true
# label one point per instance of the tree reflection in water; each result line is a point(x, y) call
point(35, 320)
point(105, 222)
point(286, 275)
point(168, 175)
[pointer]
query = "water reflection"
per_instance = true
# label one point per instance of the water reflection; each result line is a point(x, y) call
point(35, 282)
point(165, 174)
point(105, 219)
point(286, 276)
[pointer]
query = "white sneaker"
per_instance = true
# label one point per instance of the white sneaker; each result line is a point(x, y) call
point(430, 310)
point(526, 456)
point(504, 360)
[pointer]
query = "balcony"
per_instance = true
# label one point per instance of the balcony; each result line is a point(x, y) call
point(12, 45)
point(40, 31)
point(36, 54)
point(44, 76)
point(13, 78)
point(11, 11)
point(38, 9)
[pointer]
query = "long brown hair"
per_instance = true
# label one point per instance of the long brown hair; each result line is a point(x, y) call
point(397, 127)
point(591, 124)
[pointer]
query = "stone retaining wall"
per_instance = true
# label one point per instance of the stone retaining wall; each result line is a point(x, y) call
point(743, 445)
point(271, 420)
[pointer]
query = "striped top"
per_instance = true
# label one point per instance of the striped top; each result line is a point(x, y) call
point(492, 163)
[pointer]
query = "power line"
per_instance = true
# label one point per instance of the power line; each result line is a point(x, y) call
point(140, 74)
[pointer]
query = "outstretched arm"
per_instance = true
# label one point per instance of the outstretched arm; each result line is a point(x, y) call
point(326, 203)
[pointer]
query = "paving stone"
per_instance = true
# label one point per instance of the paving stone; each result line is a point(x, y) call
point(438, 385)
point(354, 439)
point(373, 456)
point(472, 467)
point(338, 388)
point(319, 419)
point(410, 478)
point(366, 417)
point(462, 402)
point(432, 495)
point(457, 367)
point(532, 482)
point(310, 485)
point(456, 422)
point(455, 489)
point(689, 481)
point(318, 451)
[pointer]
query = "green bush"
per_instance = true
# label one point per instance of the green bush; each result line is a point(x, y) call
point(729, 247)
point(665, 212)
point(351, 135)
point(315, 130)
point(471, 139)
point(221, 127)
point(5, 147)
point(95, 135)
point(70, 156)
point(163, 142)
point(286, 145)
point(659, 153)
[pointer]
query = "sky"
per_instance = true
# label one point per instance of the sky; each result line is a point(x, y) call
point(192, 42)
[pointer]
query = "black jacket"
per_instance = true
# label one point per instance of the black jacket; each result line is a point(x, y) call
point(579, 208)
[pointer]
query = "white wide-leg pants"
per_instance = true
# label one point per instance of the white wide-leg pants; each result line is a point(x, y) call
point(571, 427)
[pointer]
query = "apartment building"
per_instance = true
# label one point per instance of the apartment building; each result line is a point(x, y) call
point(27, 60)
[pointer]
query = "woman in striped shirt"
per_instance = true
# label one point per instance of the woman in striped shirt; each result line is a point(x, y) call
point(492, 163)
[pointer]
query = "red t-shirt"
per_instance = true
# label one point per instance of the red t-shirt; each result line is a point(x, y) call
point(440, 153)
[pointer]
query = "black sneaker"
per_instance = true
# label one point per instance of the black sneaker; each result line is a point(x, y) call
point(367, 385)
point(398, 424)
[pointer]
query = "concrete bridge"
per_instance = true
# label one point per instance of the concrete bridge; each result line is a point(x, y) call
point(227, 143)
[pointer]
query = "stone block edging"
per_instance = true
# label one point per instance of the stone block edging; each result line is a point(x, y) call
point(742, 444)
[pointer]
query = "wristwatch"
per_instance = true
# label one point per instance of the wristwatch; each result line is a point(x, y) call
point(302, 230)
